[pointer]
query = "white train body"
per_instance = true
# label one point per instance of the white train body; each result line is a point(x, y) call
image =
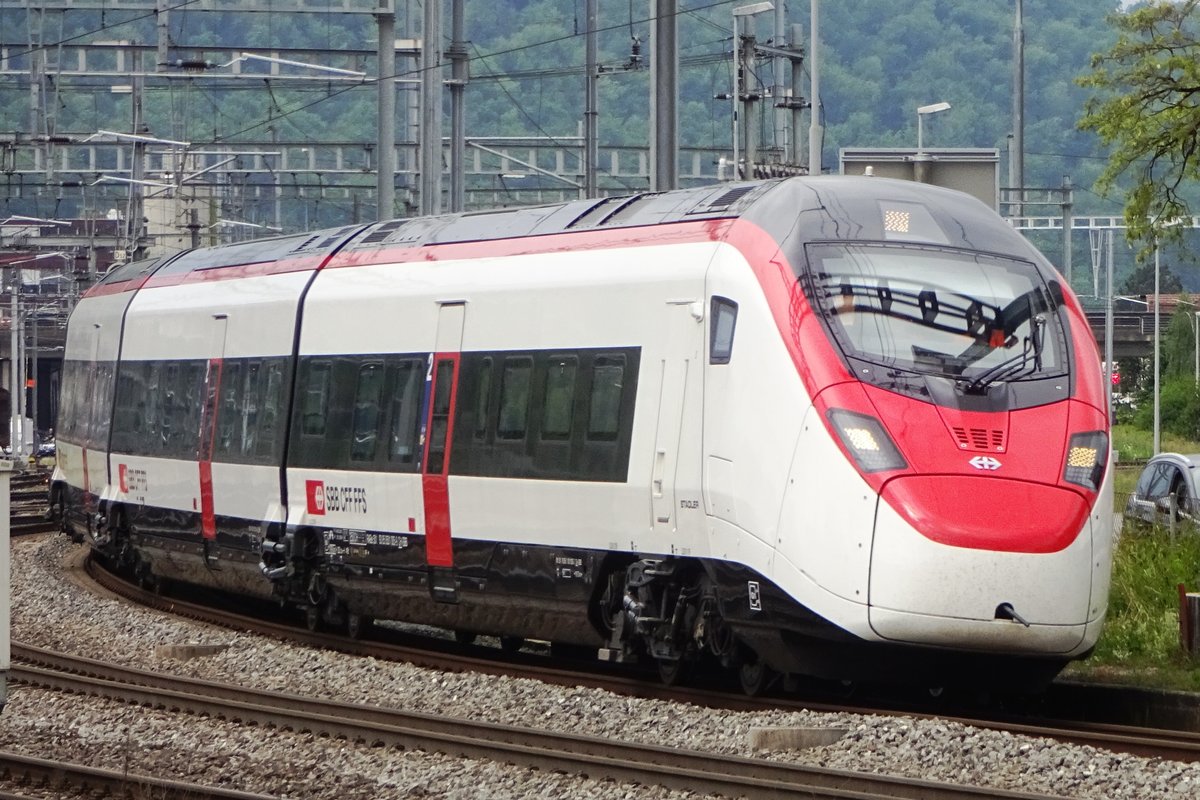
point(618, 425)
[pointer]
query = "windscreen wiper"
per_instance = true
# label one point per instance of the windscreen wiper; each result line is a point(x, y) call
point(1026, 362)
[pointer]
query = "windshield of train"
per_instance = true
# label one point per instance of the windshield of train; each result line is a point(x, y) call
point(969, 316)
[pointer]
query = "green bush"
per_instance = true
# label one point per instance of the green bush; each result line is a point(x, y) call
point(1179, 408)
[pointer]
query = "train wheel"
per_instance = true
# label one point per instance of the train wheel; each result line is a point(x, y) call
point(673, 672)
point(754, 675)
point(511, 644)
point(465, 637)
point(312, 618)
point(357, 624)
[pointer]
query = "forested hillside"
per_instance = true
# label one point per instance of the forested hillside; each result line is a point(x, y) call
point(880, 60)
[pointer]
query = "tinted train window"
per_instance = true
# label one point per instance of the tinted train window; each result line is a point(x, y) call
point(316, 399)
point(483, 398)
point(268, 427)
point(129, 422)
point(406, 412)
point(514, 398)
point(172, 406)
point(154, 406)
point(546, 414)
point(227, 413)
point(724, 320)
point(100, 404)
point(604, 408)
point(367, 396)
point(439, 419)
point(251, 398)
point(558, 405)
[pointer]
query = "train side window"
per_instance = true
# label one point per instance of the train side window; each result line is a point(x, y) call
point(268, 419)
point(439, 418)
point(604, 407)
point(724, 320)
point(365, 427)
point(153, 437)
point(514, 398)
point(483, 398)
point(101, 408)
point(129, 420)
point(227, 412)
point(251, 393)
point(559, 401)
point(187, 431)
point(406, 412)
point(170, 405)
point(316, 399)
point(64, 422)
point(193, 399)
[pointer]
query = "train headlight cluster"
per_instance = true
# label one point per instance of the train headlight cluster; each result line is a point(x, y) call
point(1087, 456)
point(867, 441)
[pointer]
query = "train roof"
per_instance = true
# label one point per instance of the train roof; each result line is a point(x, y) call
point(648, 208)
point(309, 251)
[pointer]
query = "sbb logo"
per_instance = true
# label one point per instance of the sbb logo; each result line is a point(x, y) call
point(316, 497)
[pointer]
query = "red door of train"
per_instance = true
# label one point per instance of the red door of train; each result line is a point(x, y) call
point(439, 436)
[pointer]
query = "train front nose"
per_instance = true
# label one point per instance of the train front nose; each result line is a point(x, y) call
point(981, 562)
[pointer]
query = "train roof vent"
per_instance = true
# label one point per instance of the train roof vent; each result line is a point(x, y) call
point(597, 213)
point(384, 231)
point(629, 211)
point(307, 243)
point(336, 237)
point(725, 200)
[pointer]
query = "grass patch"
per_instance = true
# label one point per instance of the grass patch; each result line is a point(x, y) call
point(1134, 444)
point(1140, 644)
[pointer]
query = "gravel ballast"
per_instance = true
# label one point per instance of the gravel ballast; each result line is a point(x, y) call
point(49, 610)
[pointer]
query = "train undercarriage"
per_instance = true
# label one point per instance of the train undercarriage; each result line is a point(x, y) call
point(687, 618)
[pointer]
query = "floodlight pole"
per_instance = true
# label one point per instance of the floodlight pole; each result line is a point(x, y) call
point(1108, 324)
point(591, 111)
point(1157, 358)
point(1196, 342)
point(385, 166)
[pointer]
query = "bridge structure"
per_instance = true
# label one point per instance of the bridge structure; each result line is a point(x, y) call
point(1133, 332)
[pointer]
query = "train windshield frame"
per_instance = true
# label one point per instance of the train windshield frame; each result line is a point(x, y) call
point(977, 318)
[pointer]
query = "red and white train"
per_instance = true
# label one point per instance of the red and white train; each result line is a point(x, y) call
point(844, 427)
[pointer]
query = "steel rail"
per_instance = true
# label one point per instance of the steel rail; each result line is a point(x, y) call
point(595, 757)
point(1176, 745)
point(42, 774)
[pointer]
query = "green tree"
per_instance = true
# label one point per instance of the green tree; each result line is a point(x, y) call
point(1179, 342)
point(1141, 281)
point(1147, 86)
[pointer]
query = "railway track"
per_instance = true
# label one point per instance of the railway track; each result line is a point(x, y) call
point(29, 503)
point(1170, 744)
point(42, 775)
point(544, 750)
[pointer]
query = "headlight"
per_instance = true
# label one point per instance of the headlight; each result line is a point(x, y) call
point(866, 440)
point(1087, 456)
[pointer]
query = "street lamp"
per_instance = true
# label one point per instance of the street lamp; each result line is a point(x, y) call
point(922, 111)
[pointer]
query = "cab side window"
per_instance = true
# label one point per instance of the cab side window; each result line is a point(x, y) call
point(723, 321)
